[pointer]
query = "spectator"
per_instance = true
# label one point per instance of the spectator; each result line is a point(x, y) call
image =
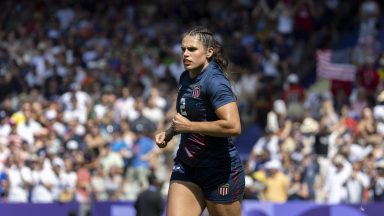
point(378, 183)
point(338, 174)
point(276, 183)
point(142, 149)
point(294, 97)
point(150, 201)
point(4, 183)
point(20, 179)
point(357, 185)
point(45, 184)
point(298, 188)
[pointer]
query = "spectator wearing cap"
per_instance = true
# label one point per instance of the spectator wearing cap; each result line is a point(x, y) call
point(309, 128)
point(276, 182)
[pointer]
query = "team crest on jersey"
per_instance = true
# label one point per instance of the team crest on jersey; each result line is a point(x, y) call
point(224, 189)
point(196, 91)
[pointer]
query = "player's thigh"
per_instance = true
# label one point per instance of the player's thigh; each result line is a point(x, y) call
point(224, 209)
point(185, 199)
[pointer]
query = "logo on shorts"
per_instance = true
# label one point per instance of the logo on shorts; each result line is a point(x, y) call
point(224, 189)
point(177, 168)
point(196, 91)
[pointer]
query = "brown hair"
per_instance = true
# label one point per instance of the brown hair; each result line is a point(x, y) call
point(208, 40)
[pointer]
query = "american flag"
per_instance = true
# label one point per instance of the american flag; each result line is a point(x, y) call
point(329, 68)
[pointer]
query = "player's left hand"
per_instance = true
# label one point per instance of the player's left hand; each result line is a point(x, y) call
point(180, 123)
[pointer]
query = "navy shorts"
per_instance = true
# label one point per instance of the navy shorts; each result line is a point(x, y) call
point(223, 184)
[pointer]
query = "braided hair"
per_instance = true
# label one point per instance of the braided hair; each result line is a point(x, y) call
point(208, 40)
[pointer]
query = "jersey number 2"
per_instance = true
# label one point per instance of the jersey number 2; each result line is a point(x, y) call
point(182, 107)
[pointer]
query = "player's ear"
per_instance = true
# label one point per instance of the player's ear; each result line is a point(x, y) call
point(209, 52)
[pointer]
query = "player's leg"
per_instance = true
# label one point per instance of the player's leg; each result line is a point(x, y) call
point(185, 199)
point(223, 188)
point(224, 209)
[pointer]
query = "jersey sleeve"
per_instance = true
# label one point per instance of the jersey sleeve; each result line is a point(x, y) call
point(219, 90)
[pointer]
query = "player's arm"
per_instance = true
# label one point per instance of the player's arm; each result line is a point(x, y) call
point(227, 125)
point(164, 137)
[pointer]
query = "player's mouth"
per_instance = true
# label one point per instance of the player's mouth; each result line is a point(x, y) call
point(187, 62)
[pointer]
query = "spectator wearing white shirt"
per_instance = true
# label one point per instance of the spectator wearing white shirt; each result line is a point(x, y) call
point(269, 142)
point(124, 104)
point(153, 112)
point(338, 173)
point(74, 111)
point(20, 178)
point(45, 183)
point(68, 180)
point(357, 185)
point(83, 99)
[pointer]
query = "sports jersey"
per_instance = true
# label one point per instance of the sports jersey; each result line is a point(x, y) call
point(197, 100)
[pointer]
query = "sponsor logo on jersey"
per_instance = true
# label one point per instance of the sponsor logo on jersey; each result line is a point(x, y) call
point(223, 189)
point(196, 91)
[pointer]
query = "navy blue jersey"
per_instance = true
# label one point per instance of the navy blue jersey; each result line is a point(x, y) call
point(197, 100)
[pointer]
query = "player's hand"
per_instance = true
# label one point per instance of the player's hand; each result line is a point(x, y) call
point(180, 123)
point(160, 140)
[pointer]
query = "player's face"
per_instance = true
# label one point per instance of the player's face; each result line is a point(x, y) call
point(195, 55)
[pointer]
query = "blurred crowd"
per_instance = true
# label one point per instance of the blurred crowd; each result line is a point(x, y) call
point(84, 86)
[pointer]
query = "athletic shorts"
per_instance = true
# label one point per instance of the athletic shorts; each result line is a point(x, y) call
point(224, 184)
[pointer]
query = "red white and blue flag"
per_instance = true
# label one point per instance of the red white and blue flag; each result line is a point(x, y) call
point(224, 189)
point(331, 67)
point(196, 91)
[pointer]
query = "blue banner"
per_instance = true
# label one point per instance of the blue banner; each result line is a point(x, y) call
point(250, 208)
